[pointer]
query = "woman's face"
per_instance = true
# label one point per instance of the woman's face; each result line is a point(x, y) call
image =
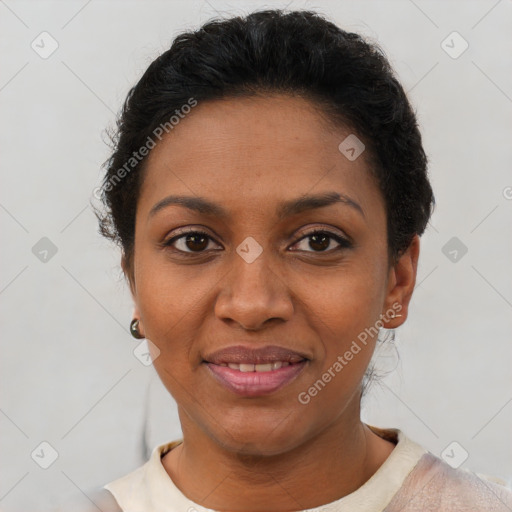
point(258, 276)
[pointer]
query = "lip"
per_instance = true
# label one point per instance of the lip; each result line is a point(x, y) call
point(252, 384)
point(240, 354)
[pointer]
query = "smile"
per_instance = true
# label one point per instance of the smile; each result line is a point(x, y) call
point(248, 367)
point(252, 380)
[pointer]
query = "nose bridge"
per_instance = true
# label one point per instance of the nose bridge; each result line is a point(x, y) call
point(251, 269)
point(252, 293)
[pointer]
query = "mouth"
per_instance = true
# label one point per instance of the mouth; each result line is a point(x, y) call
point(252, 372)
point(255, 367)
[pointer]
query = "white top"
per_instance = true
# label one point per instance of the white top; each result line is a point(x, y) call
point(410, 479)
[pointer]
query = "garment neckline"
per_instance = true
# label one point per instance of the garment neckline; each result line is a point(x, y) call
point(379, 488)
point(386, 434)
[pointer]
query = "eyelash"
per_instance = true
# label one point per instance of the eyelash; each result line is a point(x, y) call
point(344, 243)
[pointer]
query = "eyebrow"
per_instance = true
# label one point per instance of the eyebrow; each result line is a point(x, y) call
point(285, 209)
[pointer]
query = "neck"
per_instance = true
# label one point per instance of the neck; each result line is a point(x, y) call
point(323, 469)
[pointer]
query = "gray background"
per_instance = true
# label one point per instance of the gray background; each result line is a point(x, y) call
point(68, 373)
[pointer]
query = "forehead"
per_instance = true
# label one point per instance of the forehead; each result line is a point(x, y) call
point(255, 151)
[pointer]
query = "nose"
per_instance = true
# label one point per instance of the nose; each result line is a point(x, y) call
point(253, 294)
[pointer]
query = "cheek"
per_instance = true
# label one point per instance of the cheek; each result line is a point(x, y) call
point(166, 306)
point(343, 315)
point(348, 301)
point(170, 299)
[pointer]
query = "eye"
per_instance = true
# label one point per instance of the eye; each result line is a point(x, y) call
point(321, 241)
point(190, 242)
point(196, 241)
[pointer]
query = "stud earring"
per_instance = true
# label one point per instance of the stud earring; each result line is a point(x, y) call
point(134, 329)
point(395, 316)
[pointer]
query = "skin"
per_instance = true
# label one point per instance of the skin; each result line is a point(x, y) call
point(268, 453)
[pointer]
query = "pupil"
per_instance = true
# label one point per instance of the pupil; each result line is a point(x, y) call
point(193, 239)
point(322, 242)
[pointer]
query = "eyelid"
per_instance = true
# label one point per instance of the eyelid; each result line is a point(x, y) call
point(190, 229)
point(332, 231)
point(342, 239)
point(181, 232)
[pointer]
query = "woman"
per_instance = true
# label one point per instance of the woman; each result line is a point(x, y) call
point(268, 189)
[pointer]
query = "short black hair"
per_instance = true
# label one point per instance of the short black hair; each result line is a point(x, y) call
point(266, 52)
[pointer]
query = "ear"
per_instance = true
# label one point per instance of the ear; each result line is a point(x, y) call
point(128, 274)
point(401, 282)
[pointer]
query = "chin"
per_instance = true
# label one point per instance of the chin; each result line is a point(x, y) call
point(257, 438)
point(258, 446)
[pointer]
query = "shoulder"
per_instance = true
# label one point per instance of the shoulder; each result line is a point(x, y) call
point(105, 501)
point(92, 501)
point(146, 486)
point(435, 485)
